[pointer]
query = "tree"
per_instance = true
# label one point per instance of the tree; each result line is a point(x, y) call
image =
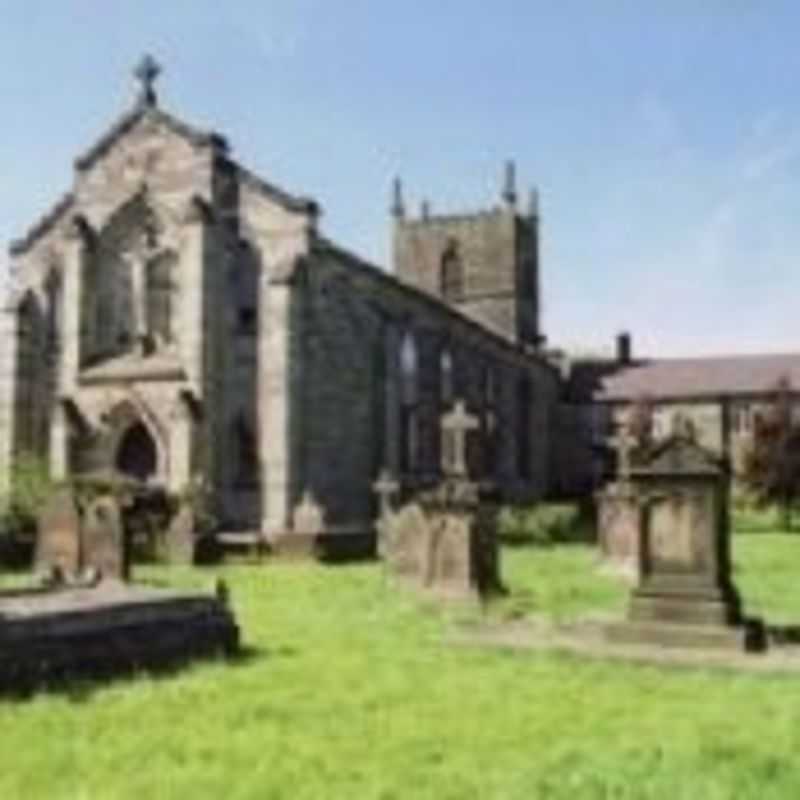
point(771, 465)
point(30, 486)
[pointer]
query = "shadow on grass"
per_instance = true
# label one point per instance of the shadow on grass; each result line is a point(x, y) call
point(783, 634)
point(81, 688)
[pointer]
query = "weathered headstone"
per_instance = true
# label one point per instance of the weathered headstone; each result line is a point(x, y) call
point(104, 547)
point(385, 488)
point(58, 542)
point(406, 545)
point(304, 539)
point(685, 596)
point(618, 513)
point(618, 509)
point(308, 518)
point(444, 540)
point(180, 537)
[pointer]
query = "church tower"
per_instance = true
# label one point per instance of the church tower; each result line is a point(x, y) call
point(485, 264)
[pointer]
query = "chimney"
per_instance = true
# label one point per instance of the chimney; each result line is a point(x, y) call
point(624, 348)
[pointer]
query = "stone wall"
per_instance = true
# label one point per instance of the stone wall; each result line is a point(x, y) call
point(351, 320)
point(498, 252)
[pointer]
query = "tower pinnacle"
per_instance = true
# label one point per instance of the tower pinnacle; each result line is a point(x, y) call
point(510, 184)
point(398, 205)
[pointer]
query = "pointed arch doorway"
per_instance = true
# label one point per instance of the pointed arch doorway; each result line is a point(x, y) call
point(137, 453)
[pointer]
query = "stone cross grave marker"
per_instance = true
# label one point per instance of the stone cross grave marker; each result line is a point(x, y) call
point(456, 427)
point(385, 488)
point(624, 444)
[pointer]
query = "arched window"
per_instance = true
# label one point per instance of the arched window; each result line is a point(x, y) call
point(409, 367)
point(137, 455)
point(243, 288)
point(489, 425)
point(451, 274)
point(53, 292)
point(245, 451)
point(524, 417)
point(409, 377)
point(446, 378)
point(31, 327)
point(159, 293)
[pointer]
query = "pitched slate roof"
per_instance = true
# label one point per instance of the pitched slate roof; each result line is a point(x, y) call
point(688, 378)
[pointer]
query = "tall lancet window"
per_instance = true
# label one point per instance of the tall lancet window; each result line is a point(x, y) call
point(524, 419)
point(28, 400)
point(245, 452)
point(159, 297)
point(489, 421)
point(451, 274)
point(446, 379)
point(54, 294)
point(409, 398)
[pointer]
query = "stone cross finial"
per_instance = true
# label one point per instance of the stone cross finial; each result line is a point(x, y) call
point(147, 72)
point(456, 427)
point(386, 488)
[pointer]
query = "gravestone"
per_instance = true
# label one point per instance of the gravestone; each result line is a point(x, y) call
point(618, 510)
point(104, 547)
point(180, 537)
point(308, 518)
point(58, 541)
point(444, 540)
point(385, 488)
point(685, 595)
point(457, 426)
point(406, 544)
point(304, 539)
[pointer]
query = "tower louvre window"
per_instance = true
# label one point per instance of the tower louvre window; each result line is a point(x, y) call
point(451, 276)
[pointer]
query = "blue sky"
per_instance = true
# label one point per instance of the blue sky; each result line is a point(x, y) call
point(664, 137)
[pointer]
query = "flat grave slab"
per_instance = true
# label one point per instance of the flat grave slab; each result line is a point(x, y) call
point(50, 636)
point(588, 637)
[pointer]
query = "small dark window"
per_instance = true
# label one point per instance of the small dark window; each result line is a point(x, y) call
point(451, 273)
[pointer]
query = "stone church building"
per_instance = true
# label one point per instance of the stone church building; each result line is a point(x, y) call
point(180, 320)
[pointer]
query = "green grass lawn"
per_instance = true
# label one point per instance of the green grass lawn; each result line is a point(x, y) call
point(349, 692)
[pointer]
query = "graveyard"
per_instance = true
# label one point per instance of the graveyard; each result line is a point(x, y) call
point(347, 687)
point(332, 467)
point(654, 655)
